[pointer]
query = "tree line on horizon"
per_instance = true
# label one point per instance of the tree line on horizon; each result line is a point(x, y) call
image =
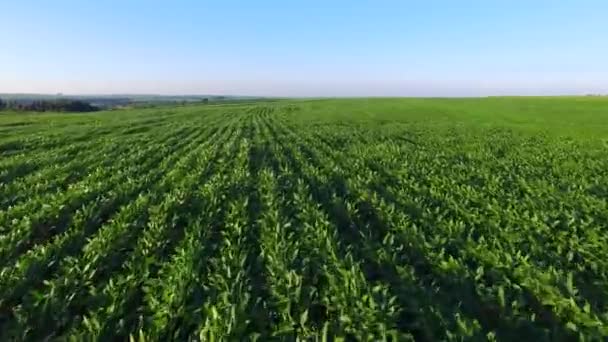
point(59, 105)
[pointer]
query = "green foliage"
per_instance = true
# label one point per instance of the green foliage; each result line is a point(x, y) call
point(363, 219)
point(59, 105)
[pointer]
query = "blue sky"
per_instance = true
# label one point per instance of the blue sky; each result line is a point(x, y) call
point(305, 48)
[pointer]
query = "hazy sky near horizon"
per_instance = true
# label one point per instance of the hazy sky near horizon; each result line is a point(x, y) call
point(305, 48)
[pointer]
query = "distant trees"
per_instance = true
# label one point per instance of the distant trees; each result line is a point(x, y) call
point(50, 106)
point(2, 104)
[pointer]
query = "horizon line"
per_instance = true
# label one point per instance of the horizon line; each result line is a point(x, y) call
point(295, 96)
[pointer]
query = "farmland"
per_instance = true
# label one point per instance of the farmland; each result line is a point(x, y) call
point(366, 219)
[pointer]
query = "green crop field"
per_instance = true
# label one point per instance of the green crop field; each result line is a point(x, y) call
point(355, 219)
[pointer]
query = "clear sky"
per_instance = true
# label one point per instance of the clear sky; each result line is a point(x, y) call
point(305, 48)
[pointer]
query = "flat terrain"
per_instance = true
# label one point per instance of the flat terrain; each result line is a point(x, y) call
point(429, 219)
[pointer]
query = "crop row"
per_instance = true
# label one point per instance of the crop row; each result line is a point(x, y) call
point(264, 221)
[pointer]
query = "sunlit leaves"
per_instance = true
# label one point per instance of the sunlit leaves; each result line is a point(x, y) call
point(296, 221)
